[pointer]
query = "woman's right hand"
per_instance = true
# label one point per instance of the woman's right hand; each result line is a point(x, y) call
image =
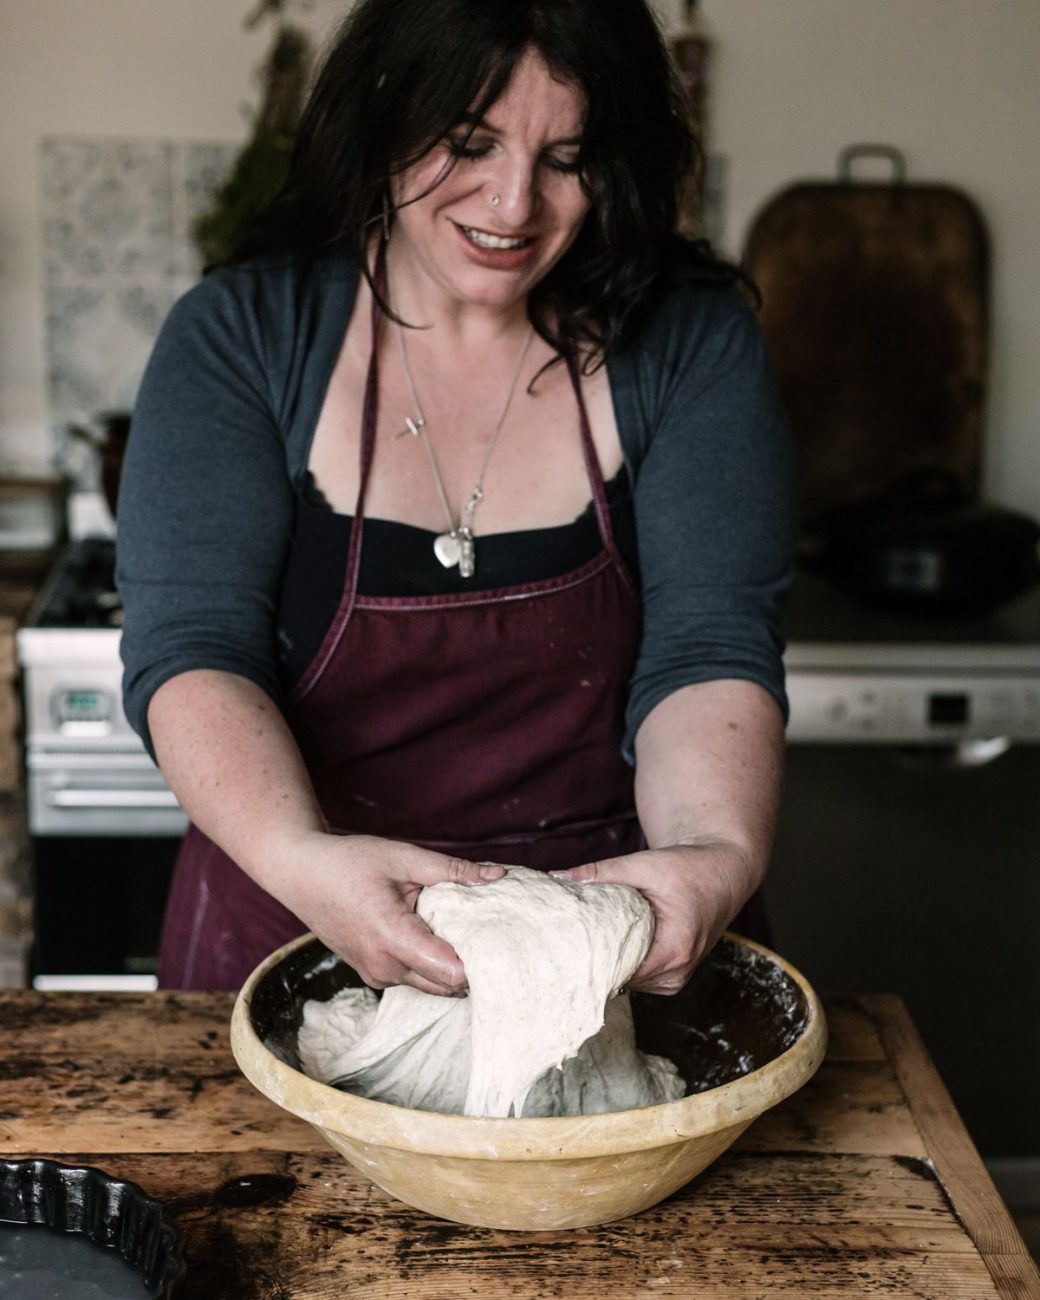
point(229, 756)
point(357, 893)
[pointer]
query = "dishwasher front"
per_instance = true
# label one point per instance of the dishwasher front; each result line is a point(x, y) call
point(907, 857)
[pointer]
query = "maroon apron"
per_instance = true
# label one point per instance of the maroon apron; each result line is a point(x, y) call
point(482, 724)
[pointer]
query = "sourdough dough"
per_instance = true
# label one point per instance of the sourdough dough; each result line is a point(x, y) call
point(543, 1031)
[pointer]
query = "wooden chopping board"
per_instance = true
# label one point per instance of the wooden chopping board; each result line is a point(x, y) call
point(874, 311)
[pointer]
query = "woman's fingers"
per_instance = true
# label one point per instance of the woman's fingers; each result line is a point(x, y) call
point(666, 966)
point(395, 946)
point(362, 903)
point(413, 953)
point(424, 868)
point(382, 969)
point(687, 905)
point(416, 981)
point(421, 952)
point(582, 875)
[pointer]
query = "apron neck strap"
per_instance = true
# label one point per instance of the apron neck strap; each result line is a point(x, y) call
point(369, 420)
point(592, 468)
point(370, 409)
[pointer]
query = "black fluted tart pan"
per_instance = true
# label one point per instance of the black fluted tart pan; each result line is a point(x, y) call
point(110, 1212)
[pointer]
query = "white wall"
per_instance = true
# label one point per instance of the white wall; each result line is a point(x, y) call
point(954, 83)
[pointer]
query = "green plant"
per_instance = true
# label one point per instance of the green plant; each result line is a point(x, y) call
point(260, 168)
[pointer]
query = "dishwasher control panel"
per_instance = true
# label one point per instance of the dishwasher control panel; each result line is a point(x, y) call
point(882, 708)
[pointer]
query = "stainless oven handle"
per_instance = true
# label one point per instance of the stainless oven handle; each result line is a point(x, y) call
point(111, 799)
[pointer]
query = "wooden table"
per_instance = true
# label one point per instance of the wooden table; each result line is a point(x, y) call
point(863, 1184)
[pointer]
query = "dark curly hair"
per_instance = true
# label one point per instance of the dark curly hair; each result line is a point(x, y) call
point(401, 74)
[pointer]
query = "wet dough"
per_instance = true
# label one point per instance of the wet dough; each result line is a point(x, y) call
point(544, 959)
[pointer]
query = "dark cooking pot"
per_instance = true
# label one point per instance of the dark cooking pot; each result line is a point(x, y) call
point(926, 545)
point(107, 433)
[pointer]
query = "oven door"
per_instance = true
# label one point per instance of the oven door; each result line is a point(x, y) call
point(98, 904)
point(105, 831)
point(80, 796)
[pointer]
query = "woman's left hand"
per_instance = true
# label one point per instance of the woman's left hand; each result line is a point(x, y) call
point(695, 891)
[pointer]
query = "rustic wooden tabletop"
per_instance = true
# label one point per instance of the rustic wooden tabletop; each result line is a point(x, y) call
point(865, 1183)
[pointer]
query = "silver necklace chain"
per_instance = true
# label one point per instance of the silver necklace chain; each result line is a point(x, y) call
point(456, 546)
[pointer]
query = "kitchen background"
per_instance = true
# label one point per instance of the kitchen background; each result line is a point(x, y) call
point(119, 117)
point(953, 83)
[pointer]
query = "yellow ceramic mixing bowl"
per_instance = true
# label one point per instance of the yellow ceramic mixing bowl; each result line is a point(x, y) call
point(746, 1032)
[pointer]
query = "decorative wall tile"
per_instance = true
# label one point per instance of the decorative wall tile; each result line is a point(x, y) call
point(73, 315)
point(99, 339)
point(107, 207)
point(116, 217)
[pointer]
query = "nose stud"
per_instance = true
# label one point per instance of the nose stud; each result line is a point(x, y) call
point(496, 199)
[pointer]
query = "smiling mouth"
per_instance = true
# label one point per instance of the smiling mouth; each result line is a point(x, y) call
point(483, 240)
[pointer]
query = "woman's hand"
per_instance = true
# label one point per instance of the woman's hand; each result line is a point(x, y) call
point(708, 762)
point(358, 894)
point(228, 754)
point(695, 891)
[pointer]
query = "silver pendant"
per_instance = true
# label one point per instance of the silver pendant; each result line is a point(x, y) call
point(468, 556)
point(456, 547)
point(412, 428)
point(447, 549)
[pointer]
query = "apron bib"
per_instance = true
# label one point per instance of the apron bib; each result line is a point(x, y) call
point(483, 724)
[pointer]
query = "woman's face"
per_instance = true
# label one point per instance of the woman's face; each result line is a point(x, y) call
point(524, 151)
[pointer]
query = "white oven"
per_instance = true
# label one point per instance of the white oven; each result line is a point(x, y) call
point(87, 771)
point(104, 825)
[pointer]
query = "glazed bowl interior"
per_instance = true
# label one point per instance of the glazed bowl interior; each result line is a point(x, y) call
point(745, 1033)
point(741, 1010)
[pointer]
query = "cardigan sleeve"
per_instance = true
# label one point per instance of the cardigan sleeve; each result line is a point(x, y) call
point(714, 497)
point(205, 503)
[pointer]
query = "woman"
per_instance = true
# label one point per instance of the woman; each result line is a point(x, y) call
point(465, 489)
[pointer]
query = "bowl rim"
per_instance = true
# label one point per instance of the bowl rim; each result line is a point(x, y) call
point(383, 1124)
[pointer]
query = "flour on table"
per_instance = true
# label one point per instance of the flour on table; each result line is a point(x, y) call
point(543, 1031)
